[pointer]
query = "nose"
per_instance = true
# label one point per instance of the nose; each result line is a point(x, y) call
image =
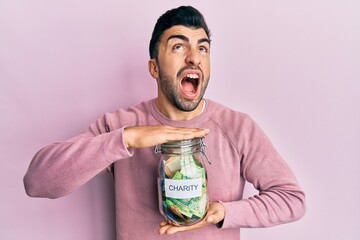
point(193, 57)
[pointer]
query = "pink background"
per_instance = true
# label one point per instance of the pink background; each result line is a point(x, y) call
point(292, 65)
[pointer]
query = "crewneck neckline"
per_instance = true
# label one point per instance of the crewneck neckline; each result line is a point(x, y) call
point(195, 122)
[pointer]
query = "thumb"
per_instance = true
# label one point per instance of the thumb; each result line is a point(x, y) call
point(213, 218)
point(216, 213)
point(210, 219)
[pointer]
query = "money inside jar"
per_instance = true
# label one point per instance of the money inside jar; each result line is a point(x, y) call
point(183, 191)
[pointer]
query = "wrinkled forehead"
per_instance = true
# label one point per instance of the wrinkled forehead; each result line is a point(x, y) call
point(193, 34)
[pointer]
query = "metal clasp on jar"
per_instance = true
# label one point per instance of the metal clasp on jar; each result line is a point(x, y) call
point(202, 150)
point(157, 149)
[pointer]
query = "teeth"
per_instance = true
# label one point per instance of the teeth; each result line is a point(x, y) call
point(192, 75)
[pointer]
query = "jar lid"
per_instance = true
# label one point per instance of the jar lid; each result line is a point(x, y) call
point(183, 143)
point(183, 146)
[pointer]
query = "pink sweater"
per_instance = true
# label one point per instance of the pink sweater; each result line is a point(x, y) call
point(238, 149)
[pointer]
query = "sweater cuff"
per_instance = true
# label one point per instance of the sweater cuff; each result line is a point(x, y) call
point(130, 151)
point(220, 224)
point(237, 214)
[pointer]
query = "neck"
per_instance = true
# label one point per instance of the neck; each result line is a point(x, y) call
point(170, 111)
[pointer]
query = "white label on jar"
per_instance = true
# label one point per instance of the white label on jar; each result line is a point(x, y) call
point(183, 189)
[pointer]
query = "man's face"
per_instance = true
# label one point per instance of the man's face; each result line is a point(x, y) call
point(184, 66)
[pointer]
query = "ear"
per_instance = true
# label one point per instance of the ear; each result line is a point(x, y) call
point(153, 68)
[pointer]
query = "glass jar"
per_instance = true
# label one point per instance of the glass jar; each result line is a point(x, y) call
point(182, 181)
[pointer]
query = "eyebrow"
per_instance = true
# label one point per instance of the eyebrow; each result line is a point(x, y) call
point(186, 39)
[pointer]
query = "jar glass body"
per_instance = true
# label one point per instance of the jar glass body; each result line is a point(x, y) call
point(182, 182)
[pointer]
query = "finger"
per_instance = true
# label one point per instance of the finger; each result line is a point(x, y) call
point(164, 227)
point(174, 229)
point(186, 134)
point(212, 219)
point(163, 223)
point(187, 130)
point(216, 214)
point(148, 136)
point(201, 132)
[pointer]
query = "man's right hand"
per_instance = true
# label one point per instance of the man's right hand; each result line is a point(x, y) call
point(149, 136)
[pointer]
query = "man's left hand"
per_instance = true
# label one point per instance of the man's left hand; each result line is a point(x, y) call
point(215, 214)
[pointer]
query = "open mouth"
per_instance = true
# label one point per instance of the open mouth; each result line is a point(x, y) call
point(190, 83)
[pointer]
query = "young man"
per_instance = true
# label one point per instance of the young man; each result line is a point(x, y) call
point(123, 142)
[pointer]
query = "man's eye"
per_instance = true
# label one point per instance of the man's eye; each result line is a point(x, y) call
point(178, 47)
point(203, 49)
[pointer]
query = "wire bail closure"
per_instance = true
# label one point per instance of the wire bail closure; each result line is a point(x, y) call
point(202, 147)
point(202, 150)
point(157, 149)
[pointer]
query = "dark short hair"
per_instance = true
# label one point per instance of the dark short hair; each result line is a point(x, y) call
point(185, 16)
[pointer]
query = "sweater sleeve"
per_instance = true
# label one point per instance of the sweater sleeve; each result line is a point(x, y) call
point(58, 169)
point(280, 198)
